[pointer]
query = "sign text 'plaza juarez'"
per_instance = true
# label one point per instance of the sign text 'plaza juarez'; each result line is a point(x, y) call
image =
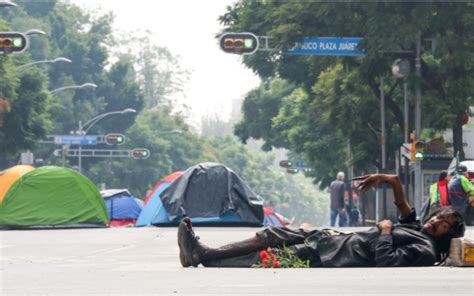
point(347, 46)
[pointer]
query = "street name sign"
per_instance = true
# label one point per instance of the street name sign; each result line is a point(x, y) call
point(75, 140)
point(346, 46)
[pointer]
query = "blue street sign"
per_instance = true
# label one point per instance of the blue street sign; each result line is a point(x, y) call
point(75, 140)
point(300, 163)
point(347, 46)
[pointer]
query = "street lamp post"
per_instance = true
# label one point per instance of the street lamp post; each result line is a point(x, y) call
point(7, 3)
point(85, 85)
point(175, 131)
point(84, 128)
point(60, 59)
point(34, 32)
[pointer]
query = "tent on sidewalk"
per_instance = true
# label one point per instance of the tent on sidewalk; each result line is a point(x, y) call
point(210, 194)
point(53, 197)
point(9, 176)
point(123, 208)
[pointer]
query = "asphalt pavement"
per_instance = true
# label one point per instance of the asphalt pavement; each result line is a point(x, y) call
point(144, 261)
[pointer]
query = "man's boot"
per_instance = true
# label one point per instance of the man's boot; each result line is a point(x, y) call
point(192, 252)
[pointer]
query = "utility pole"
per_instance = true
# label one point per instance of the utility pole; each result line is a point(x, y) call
point(406, 134)
point(417, 164)
point(382, 143)
point(350, 174)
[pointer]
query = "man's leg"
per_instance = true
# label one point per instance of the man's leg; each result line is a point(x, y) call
point(333, 217)
point(192, 252)
point(343, 219)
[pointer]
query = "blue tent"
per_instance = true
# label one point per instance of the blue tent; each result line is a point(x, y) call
point(154, 212)
point(122, 207)
point(209, 194)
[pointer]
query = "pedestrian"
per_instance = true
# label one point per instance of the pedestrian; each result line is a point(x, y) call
point(337, 207)
point(438, 196)
point(460, 189)
point(408, 243)
point(354, 216)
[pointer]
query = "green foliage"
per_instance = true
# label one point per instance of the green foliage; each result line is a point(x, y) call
point(28, 119)
point(259, 107)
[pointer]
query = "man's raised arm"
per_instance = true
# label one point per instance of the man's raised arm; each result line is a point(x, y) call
point(369, 181)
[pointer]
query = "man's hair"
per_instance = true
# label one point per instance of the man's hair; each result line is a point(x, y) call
point(456, 230)
point(462, 169)
point(340, 176)
point(442, 176)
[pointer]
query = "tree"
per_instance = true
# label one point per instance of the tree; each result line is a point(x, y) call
point(28, 120)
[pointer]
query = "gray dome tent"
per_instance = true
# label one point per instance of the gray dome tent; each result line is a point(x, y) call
point(212, 194)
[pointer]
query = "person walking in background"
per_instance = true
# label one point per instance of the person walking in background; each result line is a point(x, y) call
point(354, 216)
point(438, 196)
point(460, 189)
point(337, 190)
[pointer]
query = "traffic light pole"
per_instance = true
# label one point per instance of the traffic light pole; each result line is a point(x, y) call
point(417, 164)
point(382, 143)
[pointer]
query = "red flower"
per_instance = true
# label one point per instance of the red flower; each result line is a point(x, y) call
point(276, 264)
point(263, 254)
point(273, 256)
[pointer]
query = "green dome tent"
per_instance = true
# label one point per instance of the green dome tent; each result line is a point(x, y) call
point(53, 197)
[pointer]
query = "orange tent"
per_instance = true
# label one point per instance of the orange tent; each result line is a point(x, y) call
point(9, 176)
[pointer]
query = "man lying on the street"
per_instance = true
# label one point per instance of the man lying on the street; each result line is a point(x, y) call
point(408, 243)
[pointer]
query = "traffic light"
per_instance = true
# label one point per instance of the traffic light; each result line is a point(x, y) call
point(292, 171)
point(239, 43)
point(114, 139)
point(12, 42)
point(140, 153)
point(417, 151)
point(286, 163)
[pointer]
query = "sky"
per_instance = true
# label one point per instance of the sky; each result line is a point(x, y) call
point(187, 28)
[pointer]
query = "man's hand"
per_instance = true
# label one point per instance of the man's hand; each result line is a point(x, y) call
point(366, 182)
point(385, 226)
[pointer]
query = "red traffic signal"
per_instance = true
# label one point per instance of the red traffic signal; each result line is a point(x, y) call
point(239, 43)
point(12, 42)
point(114, 139)
point(140, 153)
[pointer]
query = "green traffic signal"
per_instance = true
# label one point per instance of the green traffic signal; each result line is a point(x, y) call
point(140, 153)
point(292, 171)
point(114, 139)
point(239, 43)
point(17, 42)
point(12, 42)
point(419, 155)
point(248, 43)
point(286, 163)
point(417, 150)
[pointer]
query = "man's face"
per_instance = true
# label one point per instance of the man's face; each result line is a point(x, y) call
point(438, 227)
